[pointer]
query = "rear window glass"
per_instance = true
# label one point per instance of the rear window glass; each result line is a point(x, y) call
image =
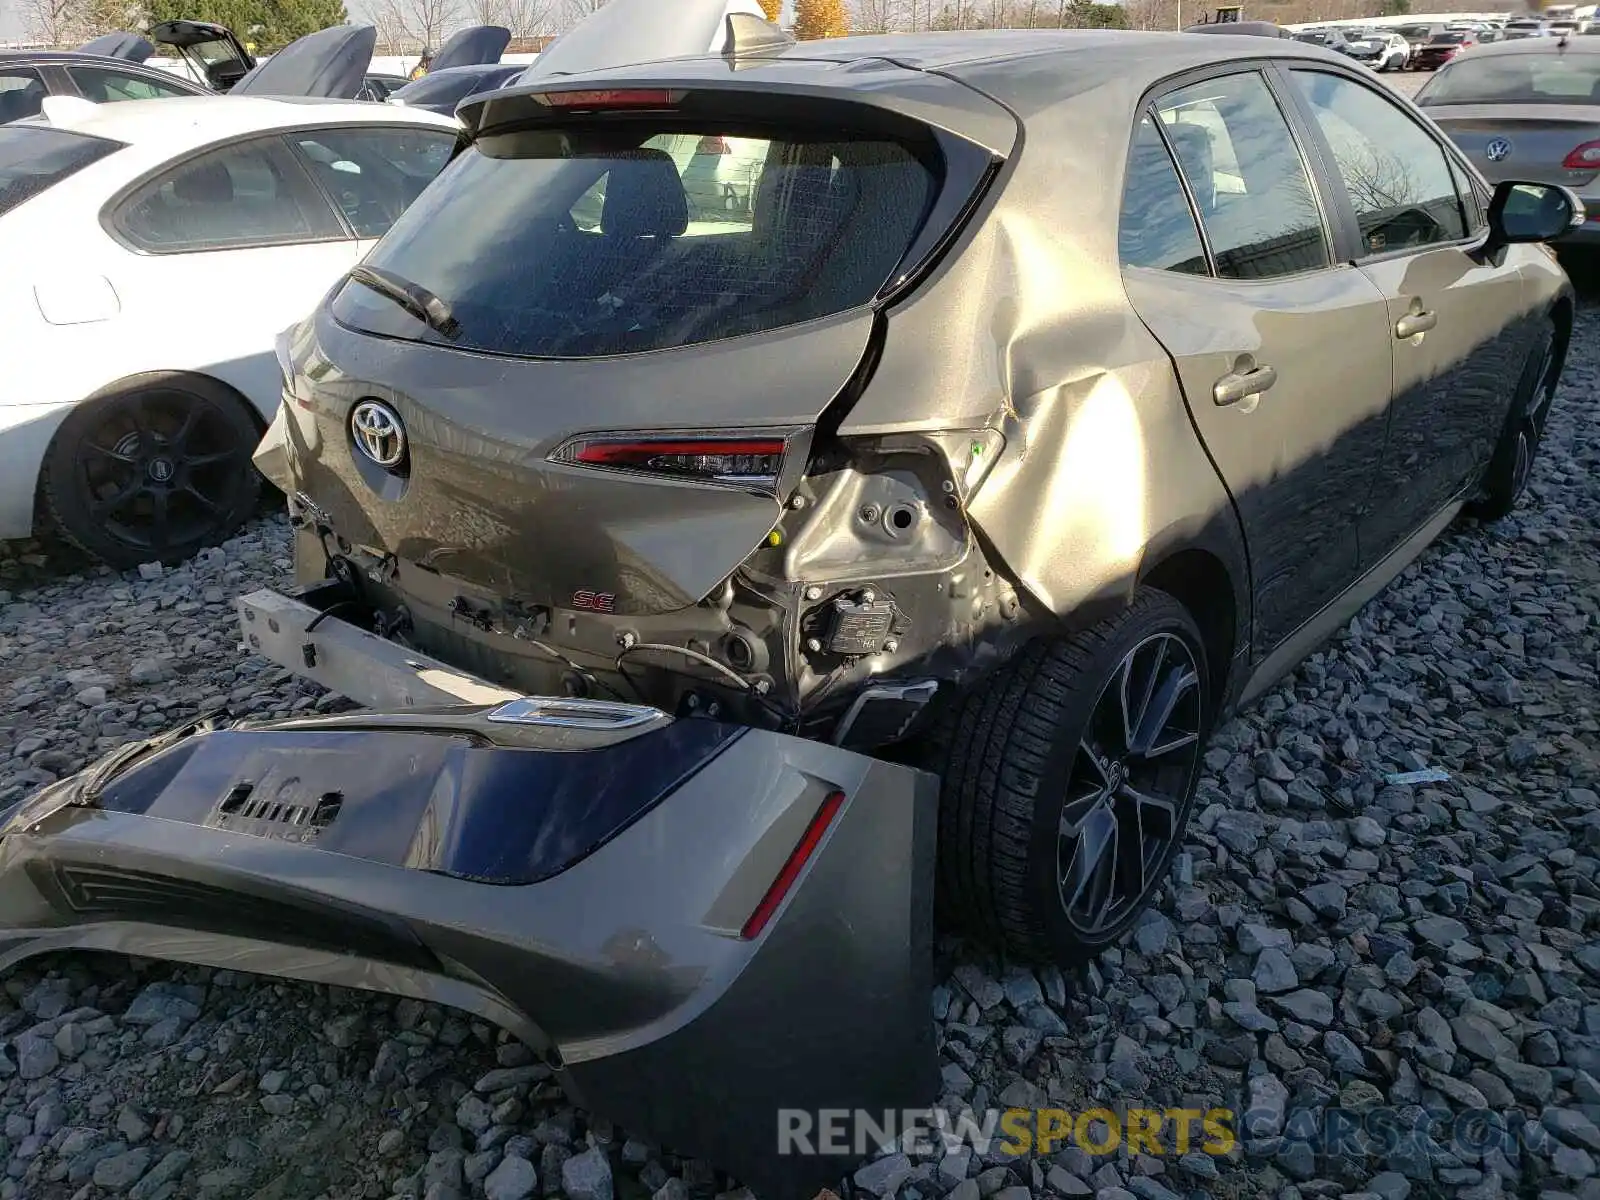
point(1448, 39)
point(565, 245)
point(1516, 79)
point(33, 158)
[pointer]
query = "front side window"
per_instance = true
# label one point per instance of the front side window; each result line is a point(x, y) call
point(583, 243)
point(374, 174)
point(252, 194)
point(1397, 177)
point(1157, 227)
point(22, 93)
point(35, 157)
point(1247, 176)
point(106, 87)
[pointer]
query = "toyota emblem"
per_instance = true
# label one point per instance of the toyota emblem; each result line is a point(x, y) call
point(1498, 150)
point(378, 433)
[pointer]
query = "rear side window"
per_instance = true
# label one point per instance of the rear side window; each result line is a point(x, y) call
point(575, 245)
point(22, 93)
point(251, 194)
point(1246, 173)
point(107, 87)
point(33, 158)
point(1157, 227)
point(373, 174)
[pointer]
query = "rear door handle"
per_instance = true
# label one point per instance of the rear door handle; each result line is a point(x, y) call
point(1412, 324)
point(1237, 385)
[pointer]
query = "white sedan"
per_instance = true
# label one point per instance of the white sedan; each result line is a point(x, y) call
point(153, 250)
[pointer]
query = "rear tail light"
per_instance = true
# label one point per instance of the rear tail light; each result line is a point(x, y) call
point(1584, 158)
point(796, 863)
point(602, 98)
point(713, 145)
point(749, 461)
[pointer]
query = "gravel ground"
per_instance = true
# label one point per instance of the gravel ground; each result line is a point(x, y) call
point(1329, 940)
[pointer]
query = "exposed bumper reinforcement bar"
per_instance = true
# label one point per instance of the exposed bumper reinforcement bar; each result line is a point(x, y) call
point(309, 640)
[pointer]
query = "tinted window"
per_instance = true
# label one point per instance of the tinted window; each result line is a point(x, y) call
point(21, 93)
point(105, 87)
point(1247, 176)
point(1447, 39)
point(1398, 178)
point(253, 194)
point(1516, 79)
point(33, 157)
point(564, 244)
point(1157, 227)
point(374, 174)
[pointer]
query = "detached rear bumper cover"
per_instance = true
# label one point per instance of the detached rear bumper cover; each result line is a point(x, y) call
point(440, 857)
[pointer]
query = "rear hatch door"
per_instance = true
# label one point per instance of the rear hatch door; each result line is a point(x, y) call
point(625, 386)
point(477, 45)
point(442, 91)
point(330, 64)
point(1530, 141)
point(216, 56)
point(129, 47)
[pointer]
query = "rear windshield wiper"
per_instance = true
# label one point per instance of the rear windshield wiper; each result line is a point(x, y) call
point(413, 297)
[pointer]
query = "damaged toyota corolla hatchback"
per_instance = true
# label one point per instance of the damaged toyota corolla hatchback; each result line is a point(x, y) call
point(1018, 403)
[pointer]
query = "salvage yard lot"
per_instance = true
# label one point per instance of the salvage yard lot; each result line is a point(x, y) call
point(1328, 940)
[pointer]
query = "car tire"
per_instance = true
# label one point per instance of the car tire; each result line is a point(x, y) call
point(1511, 465)
point(1032, 817)
point(153, 470)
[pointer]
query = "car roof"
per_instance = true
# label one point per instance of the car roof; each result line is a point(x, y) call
point(73, 58)
point(1549, 45)
point(1056, 64)
point(184, 121)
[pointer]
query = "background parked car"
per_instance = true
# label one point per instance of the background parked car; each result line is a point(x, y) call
point(27, 77)
point(152, 252)
point(1442, 47)
point(1518, 30)
point(1332, 39)
point(1417, 36)
point(1396, 53)
point(1527, 109)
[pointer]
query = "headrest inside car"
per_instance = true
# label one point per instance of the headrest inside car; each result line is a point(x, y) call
point(207, 183)
point(644, 197)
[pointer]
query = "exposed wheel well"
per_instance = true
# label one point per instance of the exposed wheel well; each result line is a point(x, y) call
point(41, 509)
point(1200, 582)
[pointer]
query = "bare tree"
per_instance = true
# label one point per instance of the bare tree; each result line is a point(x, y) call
point(878, 16)
point(73, 22)
point(577, 10)
point(52, 22)
point(413, 23)
point(524, 18)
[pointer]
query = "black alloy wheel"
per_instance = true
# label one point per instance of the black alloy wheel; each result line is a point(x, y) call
point(1129, 785)
point(1067, 779)
point(153, 474)
point(1511, 466)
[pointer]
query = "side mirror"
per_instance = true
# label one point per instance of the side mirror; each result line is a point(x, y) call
point(1531, 212)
